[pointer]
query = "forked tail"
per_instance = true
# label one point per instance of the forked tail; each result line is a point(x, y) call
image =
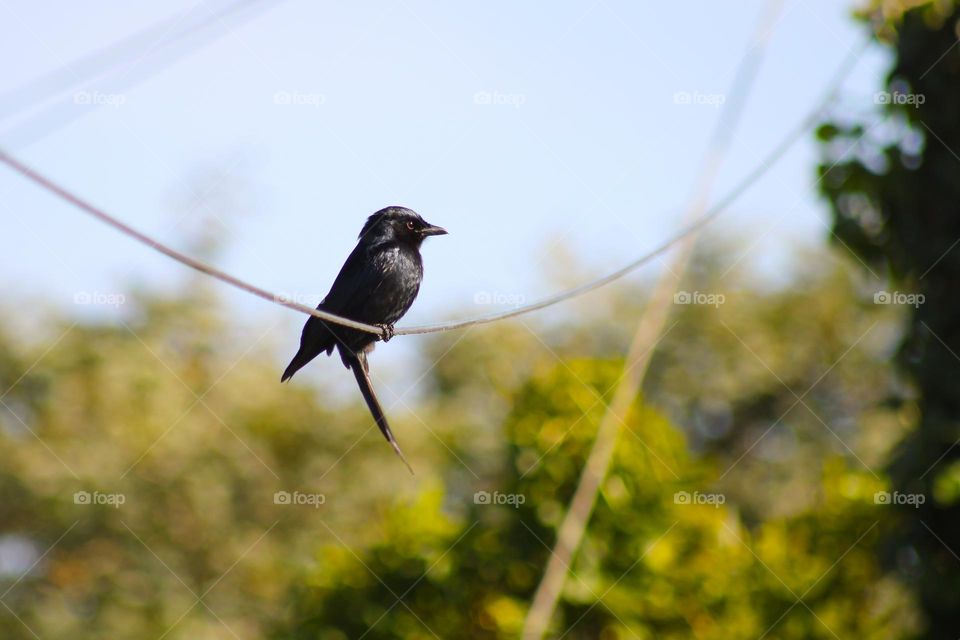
point(366, 388)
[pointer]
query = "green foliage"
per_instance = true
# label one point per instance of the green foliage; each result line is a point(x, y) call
point(651, 567)
point(512, 410)
point(895, 203)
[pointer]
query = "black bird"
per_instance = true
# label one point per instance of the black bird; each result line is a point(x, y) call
point(376, 285)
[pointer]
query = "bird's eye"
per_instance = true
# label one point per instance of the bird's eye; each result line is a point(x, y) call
point(411, 225)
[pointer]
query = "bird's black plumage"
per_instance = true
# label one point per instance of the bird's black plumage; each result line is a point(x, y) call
point(376, 285)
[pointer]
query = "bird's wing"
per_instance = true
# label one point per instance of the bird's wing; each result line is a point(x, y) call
point(318, 335)
point(359, 278)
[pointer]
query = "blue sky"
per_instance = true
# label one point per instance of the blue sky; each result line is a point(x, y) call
point(520, 127)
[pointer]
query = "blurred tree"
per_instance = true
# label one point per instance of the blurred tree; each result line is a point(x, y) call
point(141, 458)
point(894, 186)
point(664, 558)
point(800, 565)
point(112, 407)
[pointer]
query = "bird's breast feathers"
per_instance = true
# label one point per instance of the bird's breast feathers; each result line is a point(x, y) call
point(400, 271)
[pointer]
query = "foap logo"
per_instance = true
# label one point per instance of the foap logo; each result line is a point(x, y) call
point(299, 499)
point(687, 498)
point(497, 99)
point(293, 297)
point(499, 298)
point(697, 98)
point(912, 499)
point(99, 298)
point(298, 99)
point(899, 98)
point(496, 498)
point(898, 297)
point(95, 98)
point(699, 297)
point(85, 498)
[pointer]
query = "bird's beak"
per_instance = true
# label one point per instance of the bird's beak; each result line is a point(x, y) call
point(431, 230)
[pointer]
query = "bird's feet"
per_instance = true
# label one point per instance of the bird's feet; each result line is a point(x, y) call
point(386, 332)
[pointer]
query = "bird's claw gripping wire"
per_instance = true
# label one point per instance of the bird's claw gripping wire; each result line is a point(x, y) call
point(386, 332)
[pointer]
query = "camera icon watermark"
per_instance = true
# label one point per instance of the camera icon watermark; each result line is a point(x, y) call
point(899, 98)
point(499, 298)
point(898, 297)
point(699, 297)
point(496, 498)
point(299, 99)
point(99, 298)
point(896, 498)
point(294, 297)
point(299, 499)
point(697, 498)
point(495, 98)
point(95, 98)
point(696, 98)
point(115, 500)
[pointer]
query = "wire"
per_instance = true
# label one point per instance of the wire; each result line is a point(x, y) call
point(713, 212)
point(105, 62)
point(650, 326)
point(732, 196)
point(173, 253)
point(102, 61)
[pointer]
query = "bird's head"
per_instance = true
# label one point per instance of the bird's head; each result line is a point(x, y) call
point(398, 224)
